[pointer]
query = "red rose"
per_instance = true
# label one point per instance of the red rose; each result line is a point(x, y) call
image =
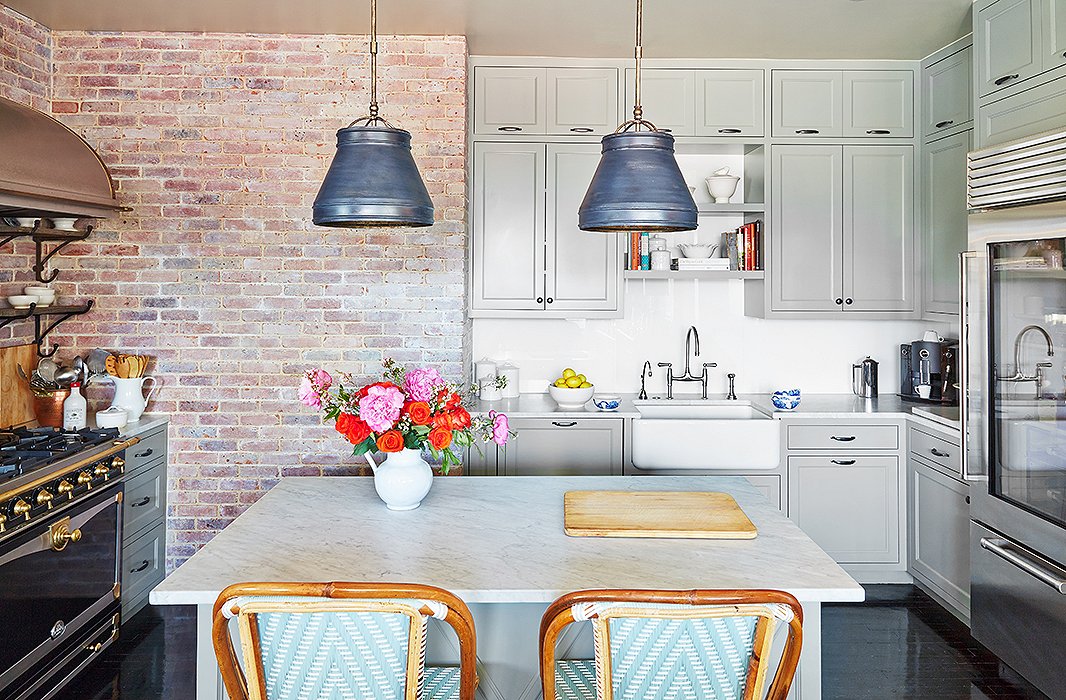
point(444, 420)
point(449, 401)
point(390, 441)
point(418, 412)
point(440, 438)
point(352, 428)
point(460, 418)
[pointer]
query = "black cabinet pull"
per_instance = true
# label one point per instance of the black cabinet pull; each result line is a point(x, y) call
point(559, 424)
point(582, 130)
point(1064, 56)
point(967, 500)
point(540, 300)
point(729, 131)
point(1006, 79)
point(946, 122)
point(844, 462)
point(549, 300)
point(143, 502)
point(938, 453)
point(878, 131)
point(842, 438)
point(669, 131)
point(144, 565)
point(839, 301)
point(848, 301)
point(147, 453)
point(807, 131)
point(509, 128)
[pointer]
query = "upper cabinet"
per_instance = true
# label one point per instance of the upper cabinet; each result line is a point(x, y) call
point(944, 220)
point(947, 93)
point(1007, 37)
point(707, 102)
point(1054, 38)
point(820, 103)
point(545, 101)
point(668, 97)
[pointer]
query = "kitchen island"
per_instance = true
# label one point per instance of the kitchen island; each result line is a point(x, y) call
point(498, 543)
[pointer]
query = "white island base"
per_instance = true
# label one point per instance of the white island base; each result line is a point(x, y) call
point(498, 543)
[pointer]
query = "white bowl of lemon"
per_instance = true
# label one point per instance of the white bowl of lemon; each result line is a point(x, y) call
point(572, 390)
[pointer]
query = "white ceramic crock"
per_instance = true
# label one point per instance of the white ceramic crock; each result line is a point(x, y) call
point(129, 394)
point(403, 479)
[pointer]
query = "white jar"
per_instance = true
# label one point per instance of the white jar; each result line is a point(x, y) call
point(509, 370)
point(484, 368)
point(660, 259)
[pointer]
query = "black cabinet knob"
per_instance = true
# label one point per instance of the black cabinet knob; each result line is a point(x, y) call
point(540, 300)
point(550, 300)
point(848, 300)
point(839, 301)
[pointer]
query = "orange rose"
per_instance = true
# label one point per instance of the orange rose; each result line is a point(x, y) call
point(418, 412)
point(352, 428)
point(460, 418)
point(390, 441)
point(444, 420)
point(440, 438)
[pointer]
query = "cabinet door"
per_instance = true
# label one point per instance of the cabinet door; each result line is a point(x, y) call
point(480, 460)
point(582, 101)
point(879, 228)
point(879, 103)
point(849, 506)
point(583, 268)
point(769, 486)
point(1007, 40)
point(729, 103)
point(1053, 45)
point(1030, 112)
point(509, 100)
point(668, 98)
point(944, 220)
point(940, 532)
point(508, 227)
point(948, 92)
point(563, 447)
point(806, 236)
point(807, 103)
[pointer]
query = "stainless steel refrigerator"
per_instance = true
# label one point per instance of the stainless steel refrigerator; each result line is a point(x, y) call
point(1014, 404)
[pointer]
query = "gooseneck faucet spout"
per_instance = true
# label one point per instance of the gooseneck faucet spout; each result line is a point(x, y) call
point(645, 372)
point(1019, 375)
point(1018, 345)
point(692, 334)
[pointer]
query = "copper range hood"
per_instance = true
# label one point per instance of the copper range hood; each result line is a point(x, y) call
point(49, 170)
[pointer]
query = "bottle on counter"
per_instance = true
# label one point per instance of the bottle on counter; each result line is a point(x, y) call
point(74, 409)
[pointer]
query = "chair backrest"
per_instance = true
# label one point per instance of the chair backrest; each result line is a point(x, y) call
point(698, 645)
point(307, 641)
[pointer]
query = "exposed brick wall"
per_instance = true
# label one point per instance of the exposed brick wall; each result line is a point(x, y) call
point(25, 77)
point(219, 142)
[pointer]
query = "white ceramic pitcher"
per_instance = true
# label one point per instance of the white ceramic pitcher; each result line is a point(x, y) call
point(129, 394)
point(403, 479)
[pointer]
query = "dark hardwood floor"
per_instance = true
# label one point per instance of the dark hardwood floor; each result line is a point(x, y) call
point(898, 644)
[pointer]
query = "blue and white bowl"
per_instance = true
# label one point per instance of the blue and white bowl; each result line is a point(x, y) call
point(786, 400)
point(607, 402)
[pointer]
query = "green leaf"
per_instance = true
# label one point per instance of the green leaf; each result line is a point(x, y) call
point(364, 447)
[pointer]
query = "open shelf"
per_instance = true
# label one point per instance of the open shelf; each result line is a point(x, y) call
point(42, 329)
point(54, 310)
point(694, 274)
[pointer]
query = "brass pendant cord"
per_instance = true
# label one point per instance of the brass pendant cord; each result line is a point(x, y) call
point(638, 121)
point(373, 117)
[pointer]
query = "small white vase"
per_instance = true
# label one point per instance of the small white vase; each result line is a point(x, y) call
point(403, 479)
point(129, 394)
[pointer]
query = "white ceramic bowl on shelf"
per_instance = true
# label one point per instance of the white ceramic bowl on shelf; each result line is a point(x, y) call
point(21, 301)
point(697, 250)
point(722, 187)
point(571, 399)
point(64, 224)
point(45, 296)
point(26, 221)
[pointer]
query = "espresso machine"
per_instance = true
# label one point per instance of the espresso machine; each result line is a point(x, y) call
point(929, 370)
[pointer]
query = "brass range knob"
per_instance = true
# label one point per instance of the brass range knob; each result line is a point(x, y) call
point(85, 479)
point(44, 498)
point(21, 509)
point(66, 488)
point(3, 521)
point(102, 470)
point(118, 463)
point(62, 536)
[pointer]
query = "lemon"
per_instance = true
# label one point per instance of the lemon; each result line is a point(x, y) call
point(561, 383)
point(567, 373)
point(584, 385)
point(573, 382)
point(582, 378)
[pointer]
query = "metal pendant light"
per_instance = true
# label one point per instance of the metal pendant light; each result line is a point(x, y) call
point(637, 185)
point(373, 180)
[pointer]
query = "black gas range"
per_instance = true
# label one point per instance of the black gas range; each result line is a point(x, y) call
point(61, 498)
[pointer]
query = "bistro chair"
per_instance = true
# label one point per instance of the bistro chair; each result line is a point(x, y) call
point(340, 641)
point(684, 645)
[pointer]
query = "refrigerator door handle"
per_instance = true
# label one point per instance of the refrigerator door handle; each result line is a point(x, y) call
point(965, 357)
point(1040, 569)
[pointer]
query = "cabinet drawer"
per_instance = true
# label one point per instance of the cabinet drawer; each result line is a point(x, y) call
point(563, 447)
point(145, 501)
point(843, 437)
point(143, 564)
point(147, 451)
point(934, 448)
point(1033, 111)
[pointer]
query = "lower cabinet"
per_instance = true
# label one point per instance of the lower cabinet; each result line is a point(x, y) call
point(563, 447)
point(939, 535)
point(144, 510)
point(769, 486)
point(850, 506)
point(143, 566)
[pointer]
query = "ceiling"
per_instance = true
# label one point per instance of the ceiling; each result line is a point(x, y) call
point(907, 29)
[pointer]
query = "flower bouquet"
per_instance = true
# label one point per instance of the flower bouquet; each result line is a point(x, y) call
point(411, 409)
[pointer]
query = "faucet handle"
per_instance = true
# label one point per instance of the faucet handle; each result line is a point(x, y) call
point(710, 364)
point(1045, 364)
point(666, 364)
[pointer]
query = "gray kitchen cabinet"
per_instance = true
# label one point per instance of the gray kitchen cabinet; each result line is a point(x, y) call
point(768, 485)
point(143, 567)
point(1032, 111)
point(480, 460)
point(849, 505)
point(1053, 40)
point(843, 233)
point(939, 534)
point(668, 97)
point(807, 103)
point(508, 226)
point(879, 103)
point(729, 102)
point(144, 509)
point(510, 100)
point(878, 228)
point(582, 101)
point(1007, 39)
point(563, 447)
point(806, 195)
point(947, 93)
point(944, 225)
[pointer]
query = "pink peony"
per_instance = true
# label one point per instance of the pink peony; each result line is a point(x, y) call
point(501, 429)
point(314, 384)
point(420, 382)
point(380, 408)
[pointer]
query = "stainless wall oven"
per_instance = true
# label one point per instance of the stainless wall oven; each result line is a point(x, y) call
point(1014, 404)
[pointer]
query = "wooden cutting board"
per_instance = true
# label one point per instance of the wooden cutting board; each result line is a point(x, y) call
point(665, 514)
point(16, 399)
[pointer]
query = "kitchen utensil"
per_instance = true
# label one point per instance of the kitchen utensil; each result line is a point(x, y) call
point(65, 376)
point(673, 514)
point(571, 399)
point(21, 301)
point(129, 394)
point(96, 361)
point(48, 407)
point(864, 378)
point(47, 369)
point(111, 365)
point(113, 417)
point(79, 366)
point(722, 185)
point(924, 390)
point(697, 250)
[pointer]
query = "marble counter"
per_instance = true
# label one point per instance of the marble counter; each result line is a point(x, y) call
point(147, 423)
point(495, 540)
point(543, 406)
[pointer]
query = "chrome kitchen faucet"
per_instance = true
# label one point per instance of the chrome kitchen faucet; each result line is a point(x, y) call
point(692, 335)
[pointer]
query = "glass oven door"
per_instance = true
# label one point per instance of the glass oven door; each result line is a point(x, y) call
point(1027, 347)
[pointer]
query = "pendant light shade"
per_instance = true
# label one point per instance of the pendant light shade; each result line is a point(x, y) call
point(638, 187)
point(373, 181)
